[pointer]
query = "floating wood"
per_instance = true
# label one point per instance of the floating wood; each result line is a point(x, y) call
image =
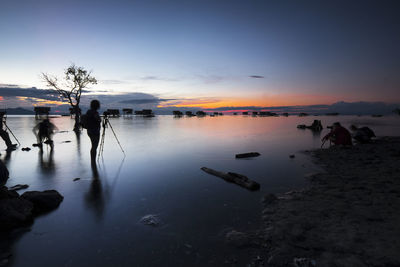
point(18, 187)
point(235, 178)
point(247, 155)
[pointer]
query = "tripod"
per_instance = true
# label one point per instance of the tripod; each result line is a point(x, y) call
point(105, 124)
point(8, 128)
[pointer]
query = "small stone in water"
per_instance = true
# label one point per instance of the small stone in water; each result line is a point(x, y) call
point(76, 179)
point(151, 220)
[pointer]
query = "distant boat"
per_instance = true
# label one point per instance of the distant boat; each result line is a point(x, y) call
point(127, 111)
point(267, 114)
point(147, 113)
point(201, 113)
point(177, 113)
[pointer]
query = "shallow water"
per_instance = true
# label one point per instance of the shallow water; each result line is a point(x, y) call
point(98, 223)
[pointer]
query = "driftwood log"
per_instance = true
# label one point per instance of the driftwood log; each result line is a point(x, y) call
point(235, 178)
point(247, 155)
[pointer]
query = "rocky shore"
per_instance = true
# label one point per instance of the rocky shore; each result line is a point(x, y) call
point(349, 215)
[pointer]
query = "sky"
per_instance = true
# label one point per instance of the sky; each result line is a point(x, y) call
point(205, 54)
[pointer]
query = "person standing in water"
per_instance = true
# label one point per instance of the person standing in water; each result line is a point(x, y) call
point(93, 121)
point(4, 134)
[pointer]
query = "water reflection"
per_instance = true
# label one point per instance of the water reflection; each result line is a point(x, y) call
point(94, 197)
point(46, 162)
point(7, 157)
point(316, 134)
point(78, 144)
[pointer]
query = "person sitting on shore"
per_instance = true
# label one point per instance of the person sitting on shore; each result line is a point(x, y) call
point(44, 132)
point(362, 135)
point(4, 134)
point(338, 135)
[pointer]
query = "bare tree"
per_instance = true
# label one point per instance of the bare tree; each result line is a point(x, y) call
point(75, 81)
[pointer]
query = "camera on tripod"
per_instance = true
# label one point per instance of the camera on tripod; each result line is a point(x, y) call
point(106, 113)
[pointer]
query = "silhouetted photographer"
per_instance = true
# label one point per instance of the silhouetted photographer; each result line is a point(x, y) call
point(4, 134)
point(91, 121)
point(44, 132)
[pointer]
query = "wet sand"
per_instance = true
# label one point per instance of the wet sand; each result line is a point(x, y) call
point(348, 215)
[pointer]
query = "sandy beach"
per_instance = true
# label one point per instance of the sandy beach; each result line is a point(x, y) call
point(347, 216)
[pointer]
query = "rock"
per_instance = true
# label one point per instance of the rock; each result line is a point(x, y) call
point(6, 194)
point(269, 198)
point(26, 149)
point(15, 212)
point(292, 156)
point(151, 220)
point(304, 262)
point(247, 155)
point(4, 258)
point(237, 239)
point(67, 141)
point(4, 174)
point(18, 187)
point(43, 201)
point(76, 179)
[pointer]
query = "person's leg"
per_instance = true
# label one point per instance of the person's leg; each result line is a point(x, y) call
point(94, 139)
point(6, 138)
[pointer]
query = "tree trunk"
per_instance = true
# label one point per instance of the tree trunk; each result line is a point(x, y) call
point(77, 126)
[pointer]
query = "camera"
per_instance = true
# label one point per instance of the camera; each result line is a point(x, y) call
point(106, 113)
point(2, 113)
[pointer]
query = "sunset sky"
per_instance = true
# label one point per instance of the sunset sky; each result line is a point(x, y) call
point(204, 53)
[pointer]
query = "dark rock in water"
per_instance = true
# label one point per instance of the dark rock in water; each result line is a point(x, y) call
point(247, 155)
point(4, 258)
point(3, 174)
point(18, 187)
point(14, 211)
point(151, 220)
point(43, 201)
point(301, 126)
point(76, 179)
point(292, 156)
point(35, 145)
point(26, 149)
point(68, 141)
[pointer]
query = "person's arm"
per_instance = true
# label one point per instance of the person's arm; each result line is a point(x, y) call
point(330, 134)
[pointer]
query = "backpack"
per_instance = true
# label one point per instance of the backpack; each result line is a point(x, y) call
point(84, 121)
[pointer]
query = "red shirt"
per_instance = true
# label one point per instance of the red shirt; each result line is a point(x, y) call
point(341, 136)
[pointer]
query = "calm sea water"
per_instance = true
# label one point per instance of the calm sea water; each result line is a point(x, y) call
point(98, 223)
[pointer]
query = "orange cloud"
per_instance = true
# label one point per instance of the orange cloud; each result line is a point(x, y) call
point(261, 101)
point(40, 101)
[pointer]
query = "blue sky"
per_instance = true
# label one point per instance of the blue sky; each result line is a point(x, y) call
point(305, 52)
